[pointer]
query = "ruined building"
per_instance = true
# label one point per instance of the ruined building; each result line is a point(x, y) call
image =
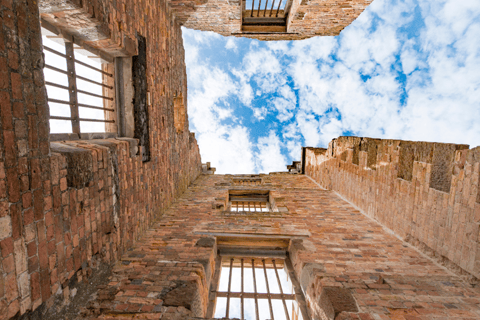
point(128, 223)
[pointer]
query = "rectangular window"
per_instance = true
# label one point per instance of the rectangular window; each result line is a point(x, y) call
point(249, 201)
point(80, 88)
point(256, 288)
point(265, 16)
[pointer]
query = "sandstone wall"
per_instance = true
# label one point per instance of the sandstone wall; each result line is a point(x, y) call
point(65, 205)
point(334, 248)
point(427, 193)
point(307, 18)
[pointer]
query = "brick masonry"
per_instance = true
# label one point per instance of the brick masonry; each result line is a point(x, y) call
point(427, 193)
point(336, 247)
point(307, 18)
point(58, 214)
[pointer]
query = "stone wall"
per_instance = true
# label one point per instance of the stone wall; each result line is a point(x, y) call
point(427, 193)
point(307, 18)
point(348, 265)
point(63, 205)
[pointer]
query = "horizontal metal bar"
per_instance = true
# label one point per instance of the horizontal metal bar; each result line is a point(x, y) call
point(80, 105)
point(55, 52)
point(95, 95)
point(81, 119)
point(93, 68)
point(94, 82)
point(59, 101)
point(56, 69)
point(56, 85)
point(94, 107)
point(77, 61)
point(79, 91)
point(251, 295)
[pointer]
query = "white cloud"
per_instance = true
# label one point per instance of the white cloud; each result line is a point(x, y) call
point(269, 157)
point(231, 44)
point(387, 76)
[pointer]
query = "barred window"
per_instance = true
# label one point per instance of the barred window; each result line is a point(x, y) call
point(80, 87)
point(249, 201)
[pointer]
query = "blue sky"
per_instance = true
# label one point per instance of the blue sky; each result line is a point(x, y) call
point(403, 70)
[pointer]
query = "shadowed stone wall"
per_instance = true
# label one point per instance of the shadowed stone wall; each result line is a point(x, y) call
point(66, 204)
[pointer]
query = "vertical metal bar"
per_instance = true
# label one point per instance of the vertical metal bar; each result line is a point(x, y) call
point(268, 290)
point(265, 10)
point(255, 289)
point(281, 290)
point(271, 8)
point(258, 10)
point(241, 296)
point(72, 88)
point(229, 285)
point(278, 8)
point(251, 14)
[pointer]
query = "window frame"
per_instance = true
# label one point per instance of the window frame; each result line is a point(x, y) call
point(73, 91)
point(252, 21)
point(252, 197)
point(263, 255)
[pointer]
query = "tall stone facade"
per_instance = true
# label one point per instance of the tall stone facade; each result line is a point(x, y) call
point(148, 223)
point(427, 193)
point(67, 207)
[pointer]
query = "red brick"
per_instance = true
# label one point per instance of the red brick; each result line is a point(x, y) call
point(4, 83)
point(32, 249)
point(43, 255)
point(10, 148)
point(16, 85)
point(28, 217)
point(45, 284)
point(4, 208)
point(27, 200)
point(3, 189)
point(33, 264)
point(18, 110)
point(35, 284)
point(13, 59)
point(7, 246)
point(8, 264)
point(5, 108)
point(13, 185)
point(17, 225)
point(13, 309)
point(38, 204)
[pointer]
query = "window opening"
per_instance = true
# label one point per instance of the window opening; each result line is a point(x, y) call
point(80, 87)
point(265, 15)
point(256, 201)
point(256, 288)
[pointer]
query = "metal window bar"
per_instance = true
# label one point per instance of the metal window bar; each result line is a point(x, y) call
point(73, 91)
point(274, 6)
point(256, 295)
point(249, 206)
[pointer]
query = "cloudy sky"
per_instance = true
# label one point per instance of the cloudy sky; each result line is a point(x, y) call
point(405, 69)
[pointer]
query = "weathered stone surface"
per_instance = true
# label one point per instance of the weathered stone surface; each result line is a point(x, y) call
point(427, 193)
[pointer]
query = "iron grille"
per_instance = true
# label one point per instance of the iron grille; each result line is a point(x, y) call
point(96, 85)
point(253, 288)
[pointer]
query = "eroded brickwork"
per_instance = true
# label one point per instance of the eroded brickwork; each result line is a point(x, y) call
point(427, 193)
point(336, 252)
point(307, 18)
point(66, 204)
